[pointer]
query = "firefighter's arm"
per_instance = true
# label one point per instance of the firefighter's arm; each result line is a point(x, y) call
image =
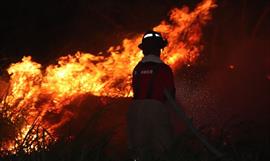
point(170, 86)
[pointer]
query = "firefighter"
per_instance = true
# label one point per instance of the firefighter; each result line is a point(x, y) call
point(149, 127)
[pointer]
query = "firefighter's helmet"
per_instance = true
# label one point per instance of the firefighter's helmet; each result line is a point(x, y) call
point(152, 39)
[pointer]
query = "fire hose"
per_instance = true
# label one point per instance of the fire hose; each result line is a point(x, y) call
point(177, 108)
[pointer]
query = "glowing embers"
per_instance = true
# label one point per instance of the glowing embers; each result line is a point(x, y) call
point(28, 138)
point(231, 66)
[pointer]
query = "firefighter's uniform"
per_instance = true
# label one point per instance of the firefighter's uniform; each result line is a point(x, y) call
point(149, 127)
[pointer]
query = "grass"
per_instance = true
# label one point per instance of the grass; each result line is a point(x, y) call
point(66, 151)
point(86, 146)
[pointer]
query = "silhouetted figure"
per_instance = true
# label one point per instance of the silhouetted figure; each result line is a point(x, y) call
point(149, 127)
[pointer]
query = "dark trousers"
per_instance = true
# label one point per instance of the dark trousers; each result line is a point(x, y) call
point(149, 129)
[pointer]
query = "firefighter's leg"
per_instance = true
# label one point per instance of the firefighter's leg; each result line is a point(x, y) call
point(137, 129)
point(161, 132)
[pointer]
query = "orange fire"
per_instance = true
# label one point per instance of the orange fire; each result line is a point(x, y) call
point(34, 92)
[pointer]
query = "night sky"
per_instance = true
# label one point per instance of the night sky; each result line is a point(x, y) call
point(47, 29)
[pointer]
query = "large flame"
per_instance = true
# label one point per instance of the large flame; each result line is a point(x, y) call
point(34, 92)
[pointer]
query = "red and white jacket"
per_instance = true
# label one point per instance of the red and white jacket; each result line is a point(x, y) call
point(151, 77)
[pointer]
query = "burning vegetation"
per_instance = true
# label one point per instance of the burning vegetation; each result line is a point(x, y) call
point(35, 93)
